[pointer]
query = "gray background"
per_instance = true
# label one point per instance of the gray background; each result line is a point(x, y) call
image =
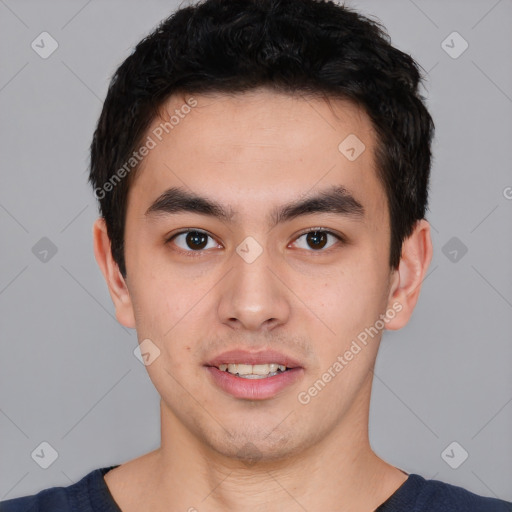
point(68, 375)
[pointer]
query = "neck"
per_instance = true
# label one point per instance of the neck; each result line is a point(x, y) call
point(338, 472)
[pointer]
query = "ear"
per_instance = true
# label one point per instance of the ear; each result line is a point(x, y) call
point(407, 279)
point(115, 281)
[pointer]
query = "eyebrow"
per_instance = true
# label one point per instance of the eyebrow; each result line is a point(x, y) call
point(335, 200)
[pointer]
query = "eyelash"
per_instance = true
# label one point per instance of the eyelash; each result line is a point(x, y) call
point(191, 253)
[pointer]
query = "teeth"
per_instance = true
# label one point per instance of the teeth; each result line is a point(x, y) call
point(252, 371)
point(257, 376)
point(242, 369)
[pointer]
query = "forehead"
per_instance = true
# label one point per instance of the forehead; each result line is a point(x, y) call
point(259, 146)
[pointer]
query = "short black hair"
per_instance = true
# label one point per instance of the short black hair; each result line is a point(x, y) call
point(312, 47)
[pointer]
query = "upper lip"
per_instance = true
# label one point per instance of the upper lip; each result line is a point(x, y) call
point(242, 356)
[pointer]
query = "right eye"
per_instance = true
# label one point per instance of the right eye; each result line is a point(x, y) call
point(193, 240)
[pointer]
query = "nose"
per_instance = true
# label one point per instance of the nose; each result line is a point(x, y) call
point(251, 297)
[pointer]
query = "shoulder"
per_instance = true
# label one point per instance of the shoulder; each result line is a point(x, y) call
point(54, 498)
point(434, 495)
point(74, 497)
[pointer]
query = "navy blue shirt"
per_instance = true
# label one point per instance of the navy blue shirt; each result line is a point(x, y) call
point(416, 494)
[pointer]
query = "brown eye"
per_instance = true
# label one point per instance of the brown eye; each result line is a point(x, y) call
point(193, 240)
point(196, 240)
point(317, 239)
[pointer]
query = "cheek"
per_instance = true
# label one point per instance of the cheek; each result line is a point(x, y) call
point(347, 301)
point(171, 309)
point(158, 302)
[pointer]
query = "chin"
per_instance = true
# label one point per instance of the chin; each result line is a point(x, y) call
point(259, 444)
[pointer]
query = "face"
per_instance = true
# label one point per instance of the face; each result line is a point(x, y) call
point(252, 237)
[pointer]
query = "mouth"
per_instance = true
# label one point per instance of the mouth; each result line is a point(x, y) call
point(253, 371)
point(253, 375)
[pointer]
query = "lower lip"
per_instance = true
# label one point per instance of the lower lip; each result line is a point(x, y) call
point(254, 389)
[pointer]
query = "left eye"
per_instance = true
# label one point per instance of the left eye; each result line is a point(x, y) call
point(194, 241)
point(316, 240)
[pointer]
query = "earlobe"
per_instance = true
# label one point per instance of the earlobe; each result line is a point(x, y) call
point(116, 283)
point(408, 278)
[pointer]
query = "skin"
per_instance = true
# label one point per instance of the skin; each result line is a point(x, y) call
point(253, 152)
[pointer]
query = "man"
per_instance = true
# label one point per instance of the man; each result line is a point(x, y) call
point(262, 169)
